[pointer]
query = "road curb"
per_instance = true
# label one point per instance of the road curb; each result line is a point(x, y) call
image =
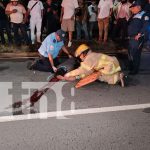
point(18, 55)
point(35, 54)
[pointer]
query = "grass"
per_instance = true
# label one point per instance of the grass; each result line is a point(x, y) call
point(13, 49)
point(109, 47)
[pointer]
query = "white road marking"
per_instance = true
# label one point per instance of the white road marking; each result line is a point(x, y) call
point(65, 113)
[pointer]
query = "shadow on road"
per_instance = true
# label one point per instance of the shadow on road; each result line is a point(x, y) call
point(2, 68)
point(146, 110)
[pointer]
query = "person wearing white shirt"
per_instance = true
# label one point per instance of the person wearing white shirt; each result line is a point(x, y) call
point(67, 17)
point(104, 12)
point(35, 9)
point(122, 14)
point(17, 14)
point(92, 10)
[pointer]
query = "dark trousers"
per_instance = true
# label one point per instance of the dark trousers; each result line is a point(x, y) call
point(23, 29)
point(120, 29)
point(134, 51)
point(81, 26)
point(92, 28)
point(43, 64)
point(52, 25)
point(4, 25)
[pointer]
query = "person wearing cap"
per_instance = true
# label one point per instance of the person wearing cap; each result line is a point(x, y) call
point(49, 50)
point(17, 13)
point(137, 32)
point(108, 67)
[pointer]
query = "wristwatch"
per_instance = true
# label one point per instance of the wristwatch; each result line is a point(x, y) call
point(77, 77)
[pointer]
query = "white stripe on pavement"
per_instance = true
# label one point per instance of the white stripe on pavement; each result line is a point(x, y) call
point(65, 113)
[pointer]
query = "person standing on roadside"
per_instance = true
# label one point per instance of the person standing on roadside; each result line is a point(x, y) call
point(67, 17)
point(137, 32)
point(104, 13)
point(92, 10)
point(4, 24)
point(17, 14)
point(35, 9)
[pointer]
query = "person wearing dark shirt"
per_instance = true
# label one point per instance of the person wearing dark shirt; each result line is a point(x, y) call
point(137, 31)
point(4, 24)
point(51, 19)
point(81, 20)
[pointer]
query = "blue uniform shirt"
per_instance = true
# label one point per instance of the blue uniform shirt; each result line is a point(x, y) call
point(138, 24)
point(50, 46)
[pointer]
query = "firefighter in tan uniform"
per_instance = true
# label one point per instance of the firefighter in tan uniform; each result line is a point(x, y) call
point(108, 67)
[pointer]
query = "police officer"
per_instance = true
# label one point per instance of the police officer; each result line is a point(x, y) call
point(49, 51)
point(137, 29)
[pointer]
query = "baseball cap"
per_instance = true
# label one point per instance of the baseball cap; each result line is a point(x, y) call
point(61, 34)
point(136, 3)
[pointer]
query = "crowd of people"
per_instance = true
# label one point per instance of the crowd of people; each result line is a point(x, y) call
point(108, 68)
point(25, 25)
point(90, 20)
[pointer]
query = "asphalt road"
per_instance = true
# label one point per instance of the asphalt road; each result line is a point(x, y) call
point(111, 129)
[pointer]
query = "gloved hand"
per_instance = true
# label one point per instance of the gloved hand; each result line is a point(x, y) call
point(54, 68)
point(70, 56)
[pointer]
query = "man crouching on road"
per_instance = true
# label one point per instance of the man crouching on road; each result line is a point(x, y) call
point(107, 66)
point(49, 51)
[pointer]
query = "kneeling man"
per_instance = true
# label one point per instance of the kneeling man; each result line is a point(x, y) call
point(108, 67)
point(49, 51)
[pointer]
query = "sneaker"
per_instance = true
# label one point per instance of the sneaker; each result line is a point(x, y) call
point(69, 44)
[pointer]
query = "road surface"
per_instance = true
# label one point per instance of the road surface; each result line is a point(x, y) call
point(95, 117)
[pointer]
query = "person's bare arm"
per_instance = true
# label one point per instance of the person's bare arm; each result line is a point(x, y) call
point(98, 10)
point(27, 15)
point(66, 78)
point(62, 13)
point(52, 62)
point(110, 13)
point(24, 14)
point(66, 51)
point(8, 12)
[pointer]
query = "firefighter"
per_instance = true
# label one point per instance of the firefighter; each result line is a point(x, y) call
point(108, 67)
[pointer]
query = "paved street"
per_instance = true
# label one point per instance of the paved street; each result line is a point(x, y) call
point(105, 117)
